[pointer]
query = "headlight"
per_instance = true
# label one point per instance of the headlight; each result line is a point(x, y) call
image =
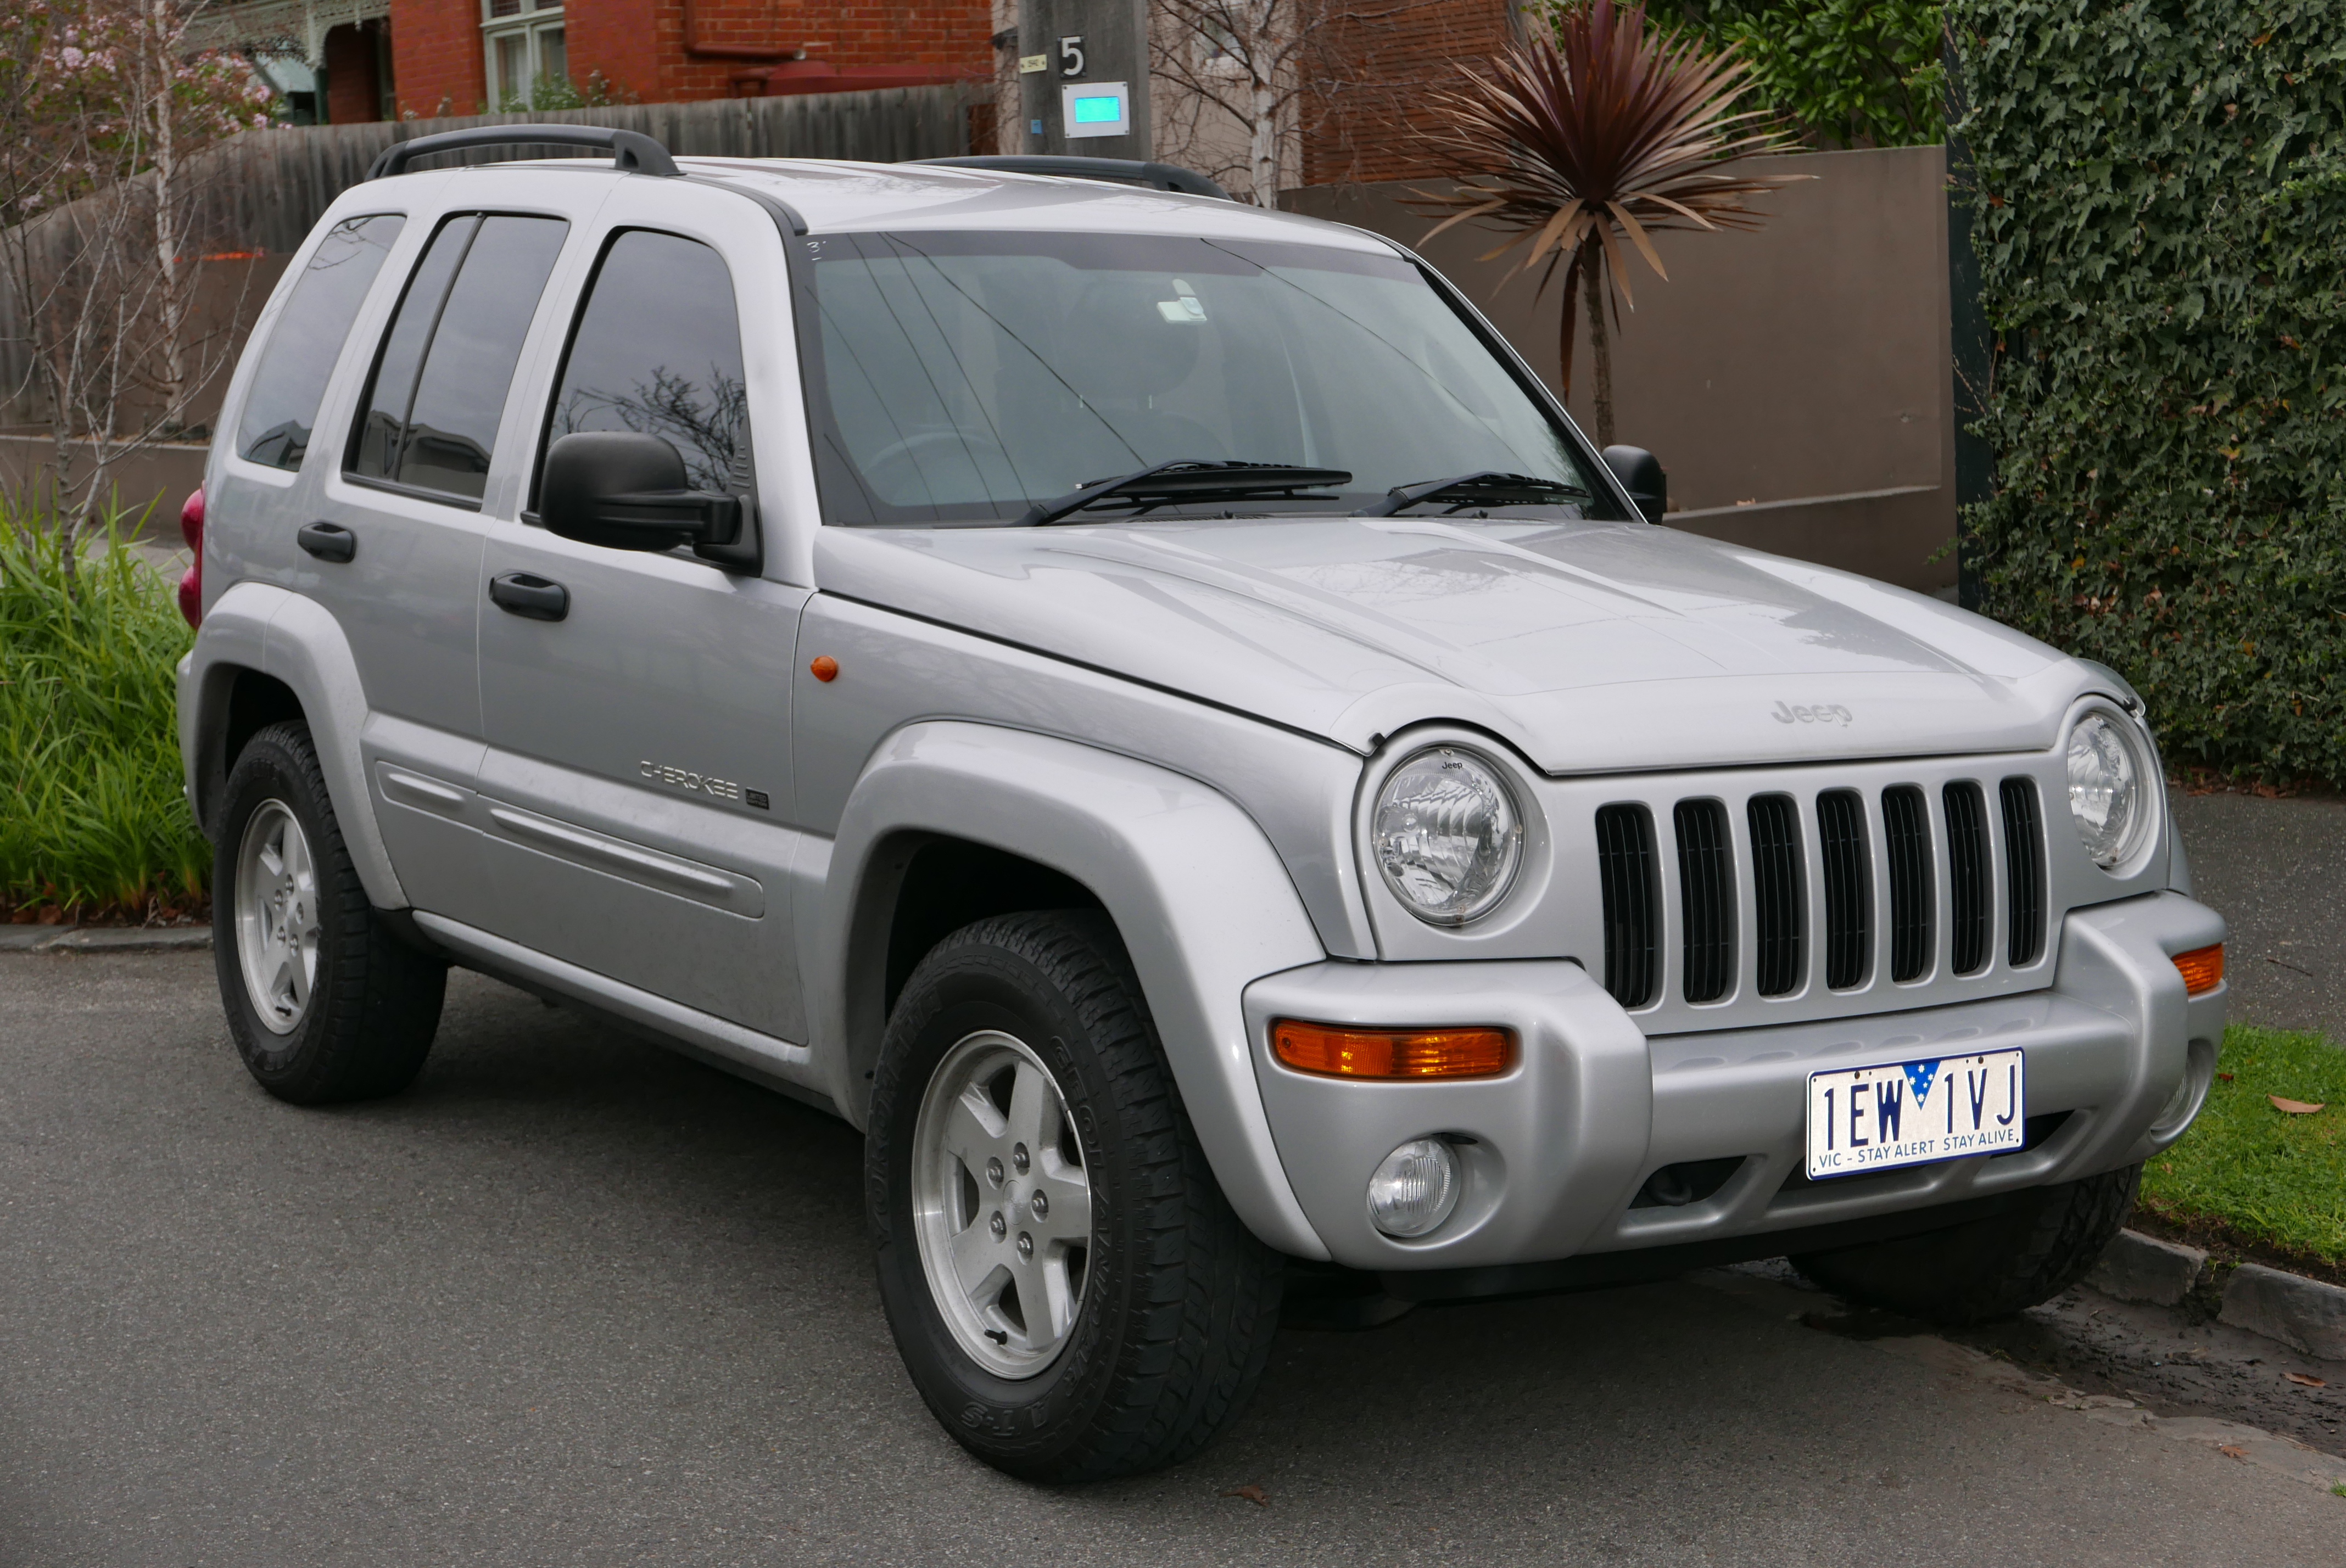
point(1447, 836)
point(2108, 788)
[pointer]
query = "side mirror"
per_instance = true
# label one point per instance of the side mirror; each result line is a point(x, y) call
point(1640, 474)
point(629, 490)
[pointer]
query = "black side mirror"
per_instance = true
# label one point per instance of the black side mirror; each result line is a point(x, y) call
point(629, 490)
point(1640, 474)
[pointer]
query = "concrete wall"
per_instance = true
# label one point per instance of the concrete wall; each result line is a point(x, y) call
point(1795, 380)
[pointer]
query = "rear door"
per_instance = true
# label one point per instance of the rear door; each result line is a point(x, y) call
point(393, 549)
point(637, 772)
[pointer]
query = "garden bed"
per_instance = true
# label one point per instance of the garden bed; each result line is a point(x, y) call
point(93, 828)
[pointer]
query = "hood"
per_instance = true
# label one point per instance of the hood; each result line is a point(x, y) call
point(1589, 647)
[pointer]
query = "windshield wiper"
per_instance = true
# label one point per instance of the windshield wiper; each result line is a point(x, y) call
point(1192, 480)
point(1487, 488)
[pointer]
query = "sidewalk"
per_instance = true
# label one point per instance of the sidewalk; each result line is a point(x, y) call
point(2276, 870)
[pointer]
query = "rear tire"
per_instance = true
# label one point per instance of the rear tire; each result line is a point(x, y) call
point(323, 1003)
point(1985, 1268)
point(1121, 1321)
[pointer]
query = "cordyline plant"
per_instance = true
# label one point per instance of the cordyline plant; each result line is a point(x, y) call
point(1589, 135)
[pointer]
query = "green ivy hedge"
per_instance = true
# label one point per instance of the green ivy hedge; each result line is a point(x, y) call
point(2160, 201)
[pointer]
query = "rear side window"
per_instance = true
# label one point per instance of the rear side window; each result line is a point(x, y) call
point(282, 405)
point(659, 349)
point(429, 421)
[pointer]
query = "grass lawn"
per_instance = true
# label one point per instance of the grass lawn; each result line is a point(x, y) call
point(2254, 1181)
point(91, 819)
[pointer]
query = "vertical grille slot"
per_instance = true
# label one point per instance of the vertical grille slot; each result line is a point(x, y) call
point(2023, 871)
point(1776, 892)
point(1629, 879)
point(1906, 844)
point(1849, 886)
point(1968, 891)
point(1706, 895)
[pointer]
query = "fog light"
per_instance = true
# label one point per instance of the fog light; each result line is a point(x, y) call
point(1414, 1189)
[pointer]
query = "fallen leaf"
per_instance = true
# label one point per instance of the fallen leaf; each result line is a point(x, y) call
point(1252, 1493)
point(2307, 1378)
point(2226, 1076)
point(2294, 1107)
point(2233, 1449)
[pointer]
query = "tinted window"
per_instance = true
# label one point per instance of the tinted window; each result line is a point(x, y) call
point(308, 339)
point(659, 349)
point(448, 360)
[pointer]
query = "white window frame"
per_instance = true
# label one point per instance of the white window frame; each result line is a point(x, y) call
point(530, 24)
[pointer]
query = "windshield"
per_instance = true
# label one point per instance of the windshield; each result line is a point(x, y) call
point(964, 376)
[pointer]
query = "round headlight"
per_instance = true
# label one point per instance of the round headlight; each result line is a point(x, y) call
point(2108, 788)
point(1414, 1189)
point(1447, 836)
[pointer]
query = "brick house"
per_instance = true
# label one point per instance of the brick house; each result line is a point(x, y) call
point(382, 59)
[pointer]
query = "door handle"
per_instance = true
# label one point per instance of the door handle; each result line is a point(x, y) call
point(328, 541)
point(535, 597)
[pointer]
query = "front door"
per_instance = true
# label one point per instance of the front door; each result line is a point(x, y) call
point(636, 779)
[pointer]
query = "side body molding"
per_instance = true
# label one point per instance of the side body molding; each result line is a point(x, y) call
point(1201, 900)
point(253, 626)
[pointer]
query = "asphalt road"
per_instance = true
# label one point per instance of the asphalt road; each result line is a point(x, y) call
point(574, 1300)
point(2277, 871)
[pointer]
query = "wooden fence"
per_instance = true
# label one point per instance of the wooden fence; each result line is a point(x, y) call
point(254, 198)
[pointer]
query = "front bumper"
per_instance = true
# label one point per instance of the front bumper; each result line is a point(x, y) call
point(1556, 1151)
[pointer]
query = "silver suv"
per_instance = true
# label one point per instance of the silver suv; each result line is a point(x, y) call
point(1149, 709)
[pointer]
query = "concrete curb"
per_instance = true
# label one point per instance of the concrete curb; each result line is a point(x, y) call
point(2139, 1268)
point(105, 939)
point(2308, 1316)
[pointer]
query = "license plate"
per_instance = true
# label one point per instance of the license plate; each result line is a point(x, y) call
point(1913, 1113)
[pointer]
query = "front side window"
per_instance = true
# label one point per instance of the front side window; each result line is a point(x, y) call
point(429, 421)
point(290, 380)
point(960, 377)
point(529, 67)
point(659, 349)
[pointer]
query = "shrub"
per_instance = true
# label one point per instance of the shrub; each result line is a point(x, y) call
point(91, 817)
point(1846, 73)
point(2159, 212)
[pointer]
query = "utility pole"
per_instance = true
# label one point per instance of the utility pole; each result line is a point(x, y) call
point(1083, 78)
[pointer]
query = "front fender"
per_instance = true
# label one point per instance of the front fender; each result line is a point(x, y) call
point(255, 626)
point(1200, 899)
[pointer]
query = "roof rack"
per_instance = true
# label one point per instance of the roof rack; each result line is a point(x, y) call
point(1114, 170)
point(632, 152)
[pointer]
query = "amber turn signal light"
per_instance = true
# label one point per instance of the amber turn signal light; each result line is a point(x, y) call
point(1341, 1053)
point(2203, 969)
point(824, 668)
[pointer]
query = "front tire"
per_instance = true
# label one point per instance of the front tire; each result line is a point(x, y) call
point(1985, 1268)
point(324, 1005)
point(1071, 1293)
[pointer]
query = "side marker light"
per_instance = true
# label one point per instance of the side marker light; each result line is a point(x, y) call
point(824, 668)
point(2203, 969)
point(1337, 1052)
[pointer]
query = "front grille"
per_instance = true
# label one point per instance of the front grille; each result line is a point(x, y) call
point(1920, 878)
point(1849, 887)
point(1775, 878)
point(1706, 898)
point(1629, 876)
point(1906, 840)
point(1967, 875)
point(2023, 871)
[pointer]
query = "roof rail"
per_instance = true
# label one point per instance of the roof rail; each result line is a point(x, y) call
point(1116, 170)
point(631, 151)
